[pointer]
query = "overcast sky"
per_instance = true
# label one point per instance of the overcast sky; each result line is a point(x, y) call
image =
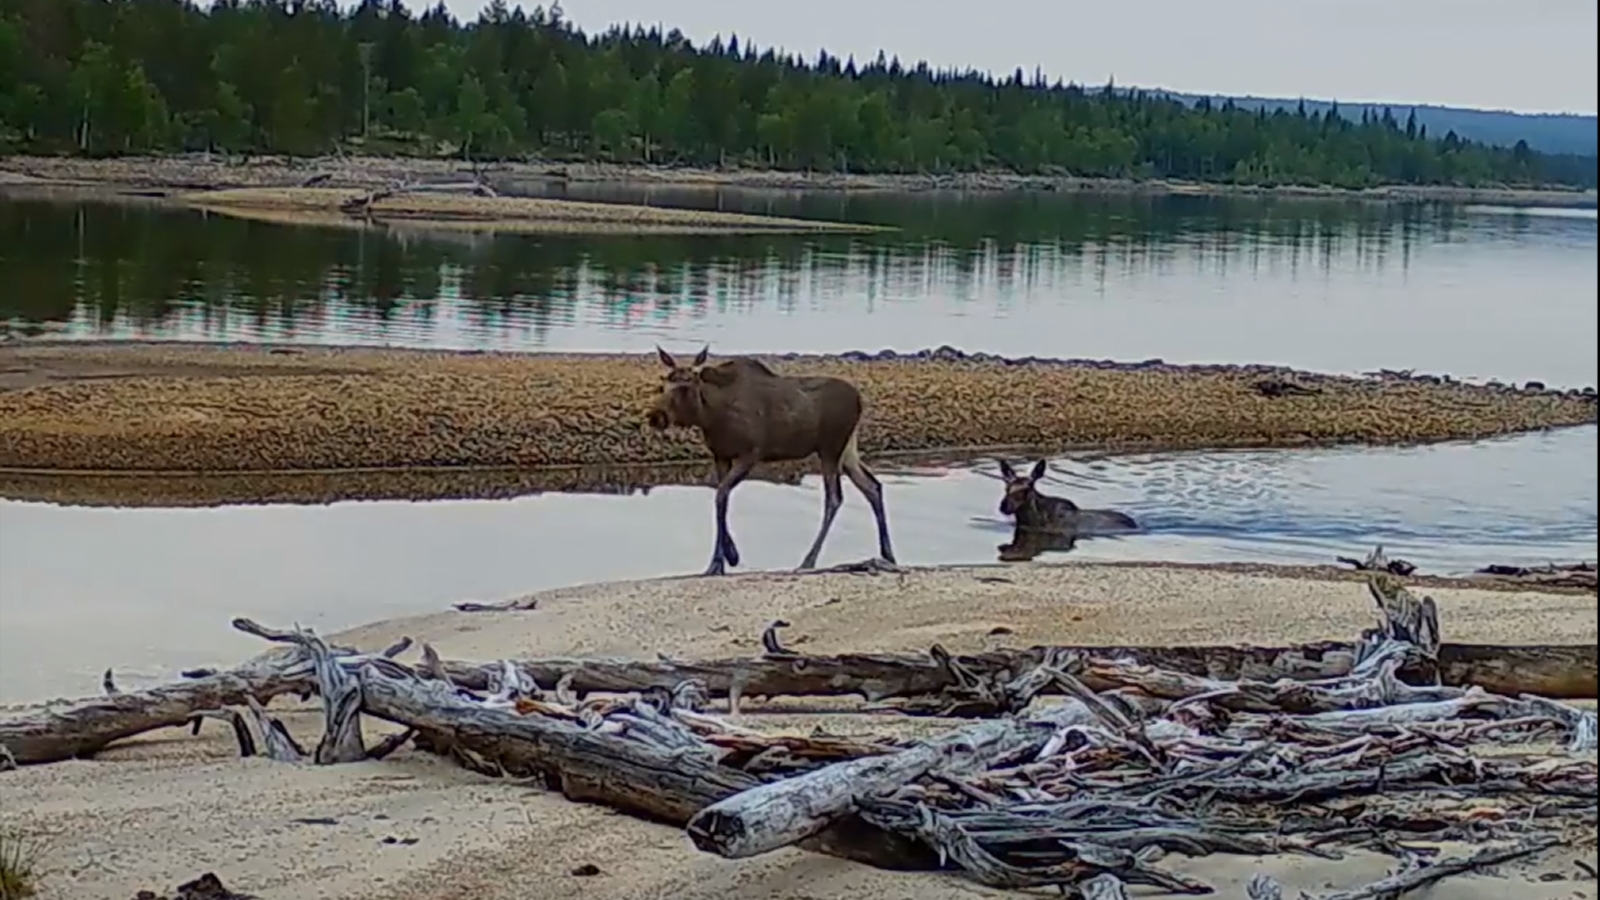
point(1531, 55)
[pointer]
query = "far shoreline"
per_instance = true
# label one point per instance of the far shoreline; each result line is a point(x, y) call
point(202, 172)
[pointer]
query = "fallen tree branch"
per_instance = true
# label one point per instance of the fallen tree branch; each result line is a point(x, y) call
point(1420, 876)
point(621, 763)
point(1085, 861)
point(1581, 575)
point(1378, 561)
point(782, 813)
point(86, 727)
point(83, 728)
point(1119, 766)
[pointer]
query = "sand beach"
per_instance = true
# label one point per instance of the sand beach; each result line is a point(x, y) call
point(161, 809)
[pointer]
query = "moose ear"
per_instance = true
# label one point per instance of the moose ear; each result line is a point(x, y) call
point(1007, 472)
point(666, 358)
point(1039, 469)
point(700, 358)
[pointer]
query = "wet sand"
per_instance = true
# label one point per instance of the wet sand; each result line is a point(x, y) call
point(179, 409)
point(162, 809)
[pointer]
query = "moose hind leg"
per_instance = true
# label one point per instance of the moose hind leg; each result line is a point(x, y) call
point(871, 488)
point(832, 499)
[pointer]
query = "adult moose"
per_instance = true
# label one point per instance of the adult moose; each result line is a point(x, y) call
point(749, 414)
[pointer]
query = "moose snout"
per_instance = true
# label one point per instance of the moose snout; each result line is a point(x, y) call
point(1007, 508)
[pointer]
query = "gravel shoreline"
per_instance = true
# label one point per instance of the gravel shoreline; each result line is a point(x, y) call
point(202, 172)
point(219, 409)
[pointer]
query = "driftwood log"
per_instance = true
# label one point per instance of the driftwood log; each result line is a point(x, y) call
point(86, 727)
point(1559, 671)
point(1580, 575)
point(1378, 561)
point(660, 782)
point(1254, 768)
point(1563, 672)
point(362, 205)
point(786, 812)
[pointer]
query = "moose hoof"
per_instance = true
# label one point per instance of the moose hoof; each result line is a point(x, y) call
point(717, 567)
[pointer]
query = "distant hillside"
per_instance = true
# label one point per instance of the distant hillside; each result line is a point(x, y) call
point(1545, 132)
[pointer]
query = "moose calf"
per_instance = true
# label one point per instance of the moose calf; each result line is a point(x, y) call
point(1046, 523)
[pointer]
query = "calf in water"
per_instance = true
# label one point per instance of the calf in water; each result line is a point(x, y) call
point(1045, 523)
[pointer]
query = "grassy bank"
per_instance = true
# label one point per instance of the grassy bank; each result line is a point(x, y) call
point(248, 408)
point(195, 172)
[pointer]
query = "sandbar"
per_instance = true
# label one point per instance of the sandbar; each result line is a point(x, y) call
point(79, 407)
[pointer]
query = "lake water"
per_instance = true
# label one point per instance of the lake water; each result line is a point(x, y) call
point(1332, 286)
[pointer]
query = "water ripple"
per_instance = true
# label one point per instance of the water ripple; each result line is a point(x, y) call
point(1527, 497)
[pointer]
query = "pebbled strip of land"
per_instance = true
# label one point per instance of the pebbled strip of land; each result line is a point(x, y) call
point(211, 172)
point(186, 408)
point(332, 206)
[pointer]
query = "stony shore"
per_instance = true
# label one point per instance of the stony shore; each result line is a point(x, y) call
point(165, 807)
point(199, 172)
point(187, 408)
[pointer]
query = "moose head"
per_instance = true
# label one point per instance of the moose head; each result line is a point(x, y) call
point(1018, 487)
point(681, 398)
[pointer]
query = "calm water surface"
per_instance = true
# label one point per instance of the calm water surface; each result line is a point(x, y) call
point(1484, 292)
point(1334, 286)
point(152, 590)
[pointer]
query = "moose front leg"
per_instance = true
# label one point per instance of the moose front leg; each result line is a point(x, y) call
point(730, 552)
point(725, 485)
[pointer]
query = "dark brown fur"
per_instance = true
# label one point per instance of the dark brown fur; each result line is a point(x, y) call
point(749, 414)
point(1045, 523)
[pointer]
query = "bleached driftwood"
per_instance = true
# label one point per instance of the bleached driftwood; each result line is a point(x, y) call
point(1578, 575)
point(339, 690)
point(1415, 877)
point(635, 756)
point(1558, 671)
point(785, 812)
point(1103, 887)
point(362, 205)
point(1378, 561)
point(1195, 780)
point(85, 727)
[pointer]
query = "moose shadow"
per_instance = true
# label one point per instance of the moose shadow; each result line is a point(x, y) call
point(1046, 524)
